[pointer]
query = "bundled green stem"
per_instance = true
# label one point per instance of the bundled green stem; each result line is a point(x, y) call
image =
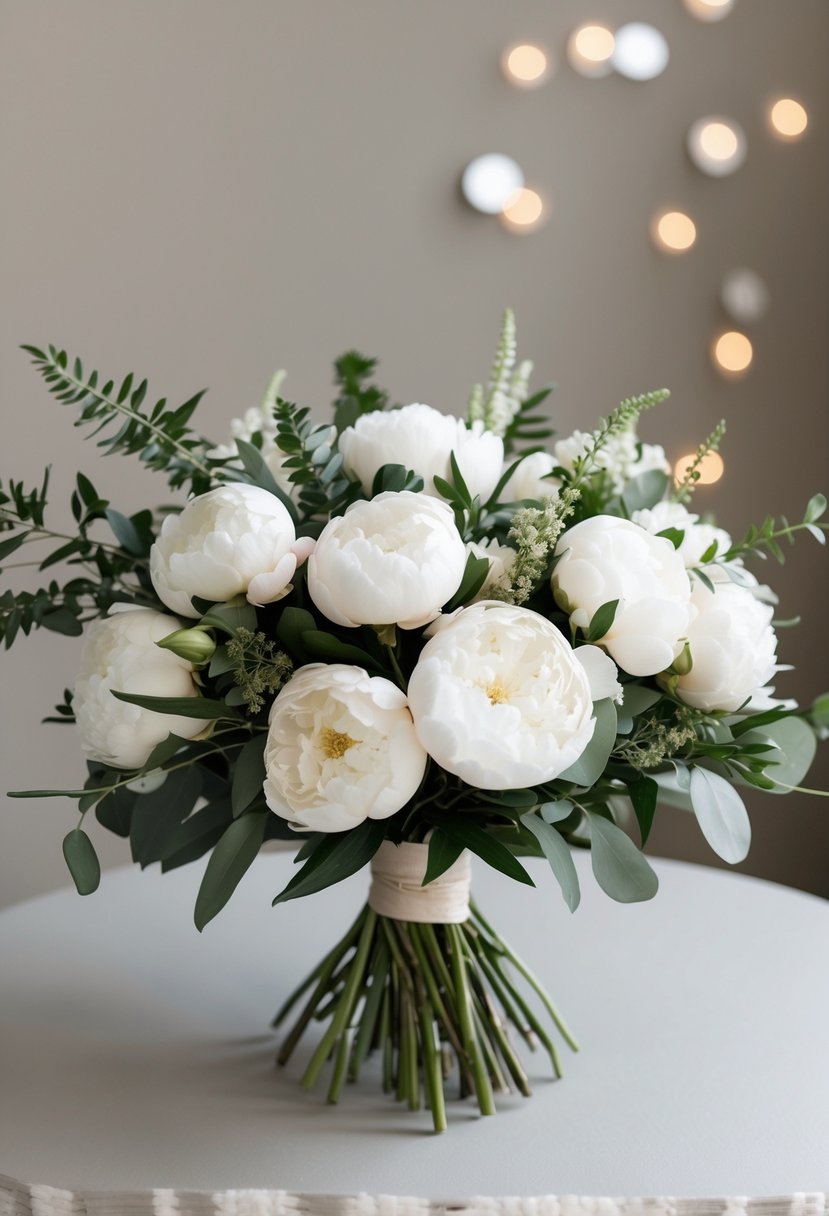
point(434, 1001)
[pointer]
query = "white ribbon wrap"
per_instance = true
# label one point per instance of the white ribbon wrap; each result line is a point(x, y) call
point(397, 889)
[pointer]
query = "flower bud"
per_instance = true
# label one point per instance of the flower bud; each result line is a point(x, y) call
point(194, 645)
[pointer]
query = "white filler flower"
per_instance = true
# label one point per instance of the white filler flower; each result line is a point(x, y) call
point(237, 539)
point(392, 561)
point(499, 699)
point(421, 438)
point(733, 648)
point(622, 457)
point(697, 539)
point(120, 652)
point(341, 748)
point(606, 558)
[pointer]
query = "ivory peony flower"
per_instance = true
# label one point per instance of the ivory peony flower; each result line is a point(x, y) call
point(421, 438)
point(733, 648)
point(237, 539)
point(605, 558)
point(341, 748)
point(120, 653)
point(531, 479)
point(499, 699)
point(698, 538)
point(394, 560)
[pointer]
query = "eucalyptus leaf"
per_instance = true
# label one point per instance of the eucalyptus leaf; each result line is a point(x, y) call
point(231, 616)
point(636, 700)
point(796, 746)
point(82, 860)
point(557, 851)
point(621, 870)
point(555, 812)
point(592, 762)
point(721, 815)
point(645, 491)
point(229, 861)
point(248, 774)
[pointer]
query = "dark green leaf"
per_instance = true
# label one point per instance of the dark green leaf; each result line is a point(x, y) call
point(62, 621)
point(644, 794)
point(228, 864)
point(82, 861)
point(323, 645)
point(248, 774)
point(235, 614)
point(601, 621)
point(126, 533)
point(156, 816)
point(8, 546)
point(187, 707)
point(444, 851)
point(260, 475)
point(485, 845)
point(474, 577)
point(336, 857)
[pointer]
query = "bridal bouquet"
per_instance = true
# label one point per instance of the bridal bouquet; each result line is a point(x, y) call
point(401, 638)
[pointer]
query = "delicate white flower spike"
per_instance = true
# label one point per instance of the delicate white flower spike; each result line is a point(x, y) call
point(733, 649)
point(499, 699)
point(622, 456)
point(606, 558)
point(697, 539)
point(394, 560)
point(120, 652)
point(422, 439)
point(341, 748)
point(219, 544)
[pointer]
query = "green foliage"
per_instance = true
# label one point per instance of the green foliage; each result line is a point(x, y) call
point(336, 856)
point(620, 869)
point(721, 815)
point(312, 463)
point(356, 396)
point(765, 538)
point(686, 487)
point(528, 425)
point(592, 762)
point(602, 621)
point(160, 436)
point(82, 861)
point(534, 532)
point(557, 851)
point(228, 864)
point(260, 668)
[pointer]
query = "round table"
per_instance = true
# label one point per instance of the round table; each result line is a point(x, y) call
point(137, 1073)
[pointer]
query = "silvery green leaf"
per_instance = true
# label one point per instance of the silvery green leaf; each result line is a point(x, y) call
point(796, 744)
point(621, 870)
point(721, 815)
point(592, 762)
point(557, 851)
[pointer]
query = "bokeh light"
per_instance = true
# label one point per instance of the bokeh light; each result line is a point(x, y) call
point(711, 468)
point(788, 118)
point(489, 180)
point(673, 231)
point(717, 146)
point(524, 210)
point(744, 296)
point(526, 65)
point(640, 51)
point(590, 50)
point(709, 10)
point(732, 353)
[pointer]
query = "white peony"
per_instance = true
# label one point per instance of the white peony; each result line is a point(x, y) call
point(698, 538)
point(499, 699)
point(394, 560)
point(237, 539)
point(120, 653)
point(733, 648)
point(605, 558)
point(532, 479)
point(622, 457)
point(341, 748)
point(602, 673)
point(421, 438)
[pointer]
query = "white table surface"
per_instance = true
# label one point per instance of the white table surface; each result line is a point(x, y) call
point(135, 1053)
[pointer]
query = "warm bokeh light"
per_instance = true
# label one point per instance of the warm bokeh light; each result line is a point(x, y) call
point(673, 231)
point(711, 468)
point(788, 118)
point(523, 210)
point(640, 52)
point(717, 146)
point(590, 49)
point(526, 65)
point(732, 352)
point(709, 10)
point(489, 181)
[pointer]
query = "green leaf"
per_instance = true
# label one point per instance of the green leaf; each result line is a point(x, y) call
point(248, 774)
point(8, 546)
point(557, 851)
point(555, 812)
point(228, 864)
point(621, 870)
point(163, 751)
point(338, 855)
point(676, 536)
point(644, 793)
point(474, 577)
point(637, 700)
point(796, 746)
point(721, 815)
point(444, 851)
point(82, 860)
point(815, 508)
point(602, 621)
point(592, 762)
point(324, 645)
point(62, 621)
point(485, 845)
point(645, 491)
point(157, 816)
point(125, 532)
point(198, 833)
point(187, 707)
point(235, 614)
point(114, 811)
point(292, 624)
point(259, 473)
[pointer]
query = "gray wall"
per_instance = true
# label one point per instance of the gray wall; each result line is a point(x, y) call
point(204, 191)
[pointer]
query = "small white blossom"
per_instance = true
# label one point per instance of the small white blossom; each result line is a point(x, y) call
point(698, 538)
point(501, 559)
point(120, 653)
point(622, 456)
point(422, 439)
point(394, 560)
point(341, 748)
point(260, 420)
point(236, 539)
point(606, 558)
point(499, 699)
